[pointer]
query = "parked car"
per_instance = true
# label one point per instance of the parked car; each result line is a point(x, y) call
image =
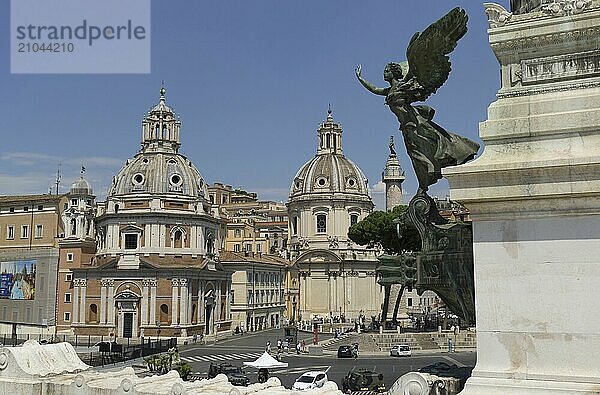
point(345, 352)
point(363, 380)
point(235, 374)
point(310, 380)
point(401, 350)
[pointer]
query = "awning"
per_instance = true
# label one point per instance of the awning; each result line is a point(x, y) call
point(266, 361)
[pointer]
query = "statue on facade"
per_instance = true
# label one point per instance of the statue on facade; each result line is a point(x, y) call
point(429, 146)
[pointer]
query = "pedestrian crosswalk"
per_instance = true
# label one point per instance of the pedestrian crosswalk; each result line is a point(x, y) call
point(251, 356)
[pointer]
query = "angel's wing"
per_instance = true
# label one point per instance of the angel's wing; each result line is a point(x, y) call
point(427, 51)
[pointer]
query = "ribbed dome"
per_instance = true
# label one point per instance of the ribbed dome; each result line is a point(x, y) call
point(159, 173)
point(81, 188)
point(328, 173)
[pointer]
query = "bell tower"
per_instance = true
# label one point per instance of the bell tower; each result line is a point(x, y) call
point(329, 136)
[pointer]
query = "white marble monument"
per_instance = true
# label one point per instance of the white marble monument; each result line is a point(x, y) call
point(534, 197)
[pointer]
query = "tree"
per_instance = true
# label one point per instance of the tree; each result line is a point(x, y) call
point(379, 228)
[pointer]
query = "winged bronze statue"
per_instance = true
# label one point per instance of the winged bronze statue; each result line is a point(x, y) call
point(429, 146)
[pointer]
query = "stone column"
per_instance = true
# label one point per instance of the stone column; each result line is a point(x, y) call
point(152, 283)
point(82, 306)
point(174, 301)
point(75, 302)
point(189, 305)
point(200, 301)
point(110, 320)
point(534, 199)
point(144, 303)
point(183, 300)
point(103, 303)
point(218, 306)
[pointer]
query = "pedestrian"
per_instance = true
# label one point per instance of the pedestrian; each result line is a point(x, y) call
point(298, 348)
point(303, 345)
point(278, 345)
point(195, 337)
point(269, 346)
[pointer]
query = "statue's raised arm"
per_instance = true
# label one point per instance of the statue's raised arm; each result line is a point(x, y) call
point(370, 87)
point(428, 145)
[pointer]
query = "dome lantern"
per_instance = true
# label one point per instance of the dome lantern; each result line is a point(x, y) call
point(161, 128)
point(329, 136)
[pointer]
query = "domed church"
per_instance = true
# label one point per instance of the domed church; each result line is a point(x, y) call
point(329, 194)
point(156, 269)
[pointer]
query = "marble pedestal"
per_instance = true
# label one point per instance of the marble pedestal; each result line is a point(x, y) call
point(534, 196)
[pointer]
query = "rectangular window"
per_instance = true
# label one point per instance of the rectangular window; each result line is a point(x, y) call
point(10, 232)
point(73, 202)
point(12, 210)
point(70, 257)
point(409, 302)
point(258, 248)
point(131, 241)
point(39, 229)
point(25, 208)
point(40, 208)
point(67, 316)
point(236, 248)
point(68, 277)
point(353, 219)
point(67, 298)
point(248, 247)
point(24, 231)
point(321, 223)
point(295, 226)
point(249, 297)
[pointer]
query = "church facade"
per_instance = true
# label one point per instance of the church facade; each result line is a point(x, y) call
point(328, 194)
point(156, 269)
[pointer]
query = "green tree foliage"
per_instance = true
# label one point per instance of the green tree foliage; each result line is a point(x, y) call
point(379, 228)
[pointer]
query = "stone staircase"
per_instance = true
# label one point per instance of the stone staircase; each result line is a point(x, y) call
point(463, 339)
point(424, 341)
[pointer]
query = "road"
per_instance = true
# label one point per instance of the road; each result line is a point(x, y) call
point(248, 347)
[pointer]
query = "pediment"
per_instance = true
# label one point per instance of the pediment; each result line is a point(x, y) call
point(318, 256)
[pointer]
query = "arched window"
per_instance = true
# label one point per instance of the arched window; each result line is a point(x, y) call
point(353, 219)
point(295, 226)
point(93, 316)
point(116, 208)
point(177, 239)
point(73, 227)
point(164, 314)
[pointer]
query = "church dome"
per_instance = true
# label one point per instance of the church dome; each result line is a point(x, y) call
point(329, 171)
point(81, 187)
point(159, 168)
point(159, 173)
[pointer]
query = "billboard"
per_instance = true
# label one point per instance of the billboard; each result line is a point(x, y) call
point(17, 279)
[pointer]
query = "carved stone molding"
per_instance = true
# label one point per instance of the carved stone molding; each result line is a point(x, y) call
point(175, 282)
point(536, 90)
point(560, 38)
point(565, 7)
point(183, 282)
point(497, 15)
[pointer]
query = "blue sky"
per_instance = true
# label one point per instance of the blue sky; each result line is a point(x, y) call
point(251, 81)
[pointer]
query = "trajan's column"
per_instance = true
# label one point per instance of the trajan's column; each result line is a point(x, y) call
point(534, 196)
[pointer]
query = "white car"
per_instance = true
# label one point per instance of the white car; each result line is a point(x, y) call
point(310, 380)
point(401, 350)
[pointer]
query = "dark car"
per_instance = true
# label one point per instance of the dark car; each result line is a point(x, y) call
point(363, 380)
point(235, 374)
point(345, 352)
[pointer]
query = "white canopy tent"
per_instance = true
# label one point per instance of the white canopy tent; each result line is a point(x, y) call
point(266, 361)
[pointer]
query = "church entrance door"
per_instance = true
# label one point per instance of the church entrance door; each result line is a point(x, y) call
point(128, 325)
